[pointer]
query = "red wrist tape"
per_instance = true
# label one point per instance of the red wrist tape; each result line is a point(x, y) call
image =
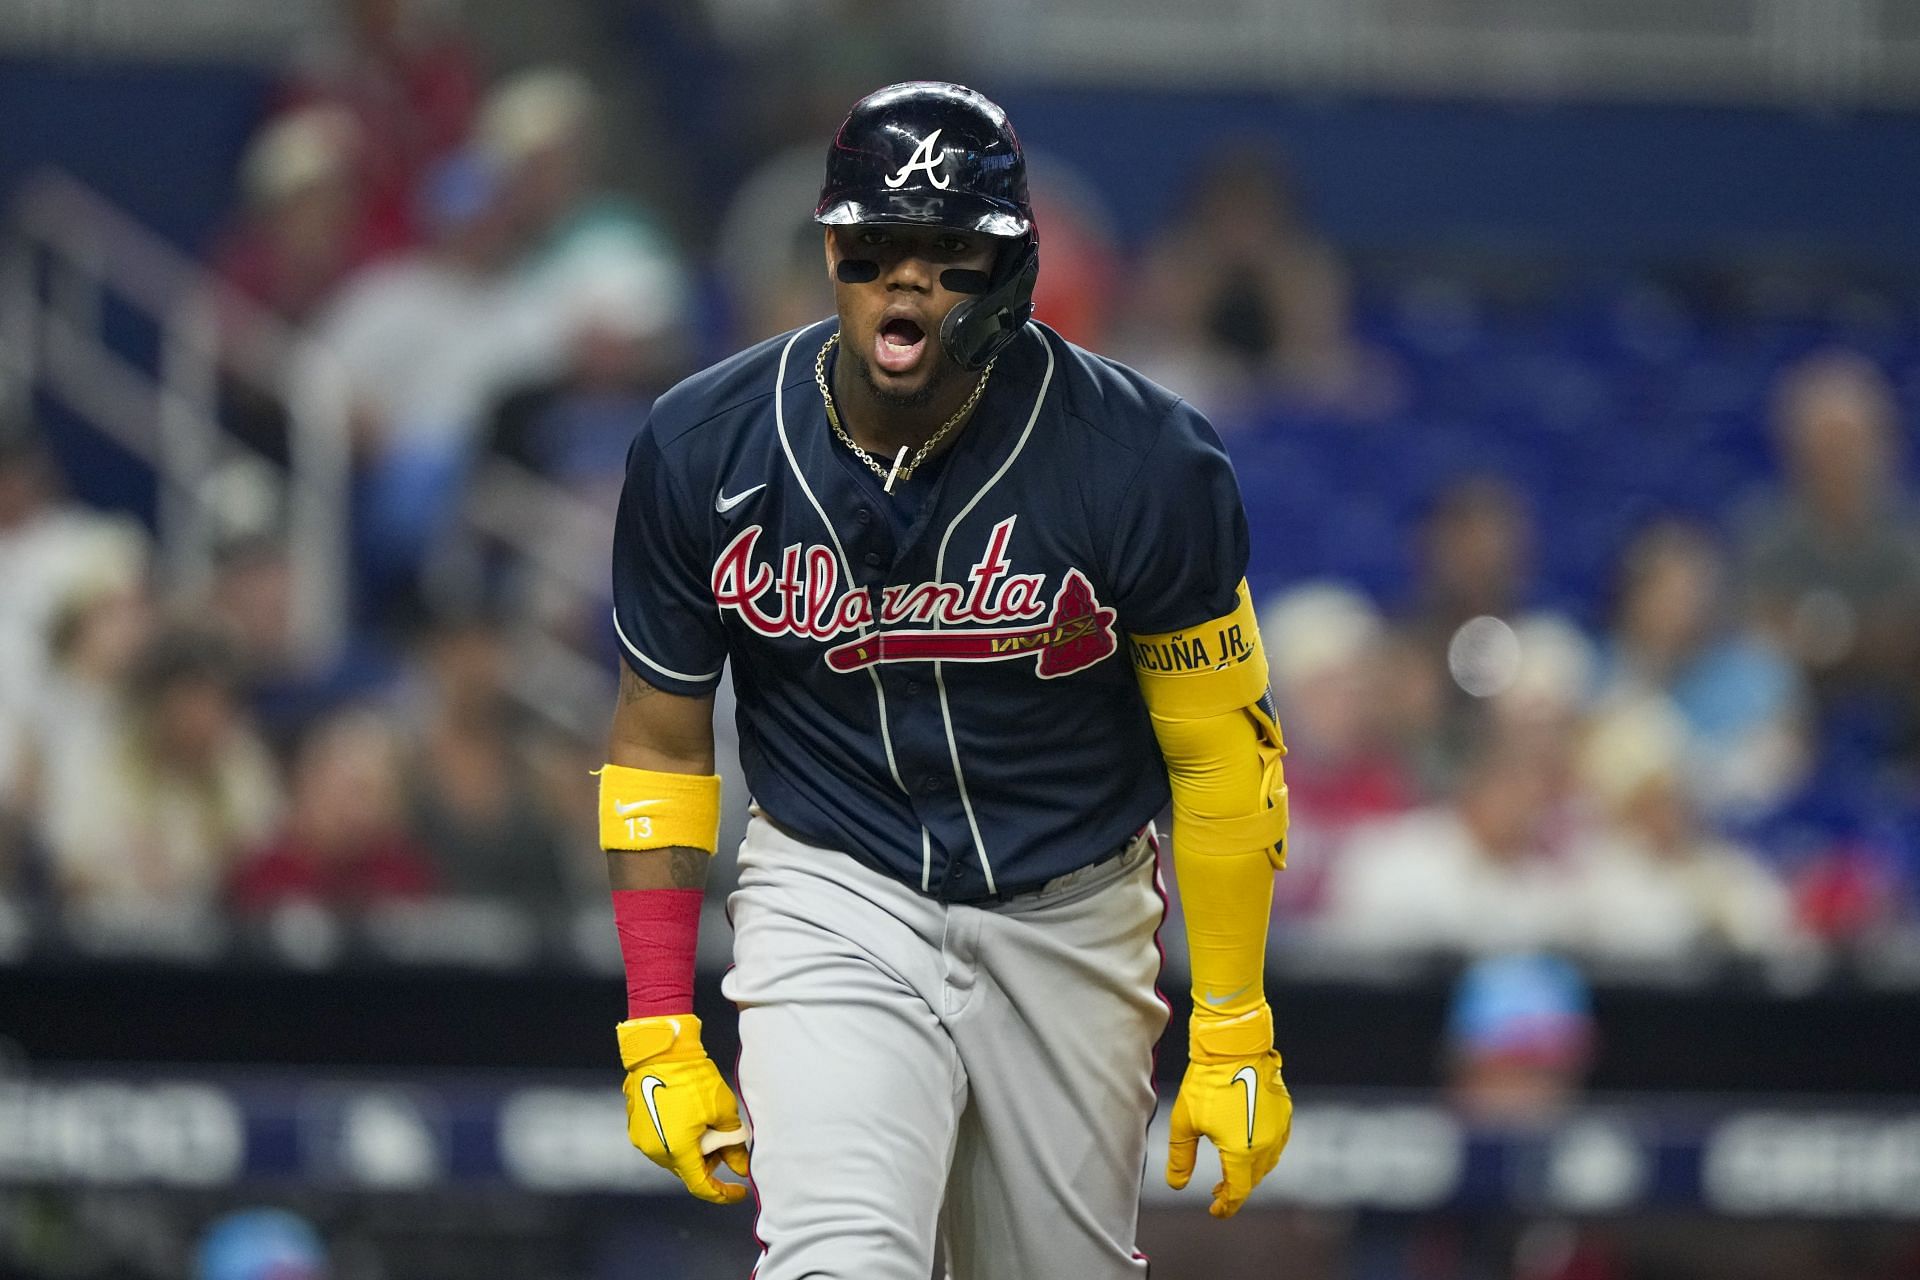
point(659, 930)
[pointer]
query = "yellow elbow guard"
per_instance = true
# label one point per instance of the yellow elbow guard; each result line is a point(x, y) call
point(1206, 689)
point(648, 809)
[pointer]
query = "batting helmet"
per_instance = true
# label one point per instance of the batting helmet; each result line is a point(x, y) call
point(942, 155)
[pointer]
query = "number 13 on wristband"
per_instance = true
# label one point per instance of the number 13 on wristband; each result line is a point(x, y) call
point(649, 809)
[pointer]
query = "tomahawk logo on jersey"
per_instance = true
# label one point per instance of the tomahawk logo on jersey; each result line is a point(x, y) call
point(944, 659)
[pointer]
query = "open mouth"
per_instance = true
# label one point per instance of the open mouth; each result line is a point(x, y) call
point(899, 345)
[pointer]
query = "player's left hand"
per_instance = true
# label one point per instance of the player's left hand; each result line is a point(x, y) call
point(1241, 1105)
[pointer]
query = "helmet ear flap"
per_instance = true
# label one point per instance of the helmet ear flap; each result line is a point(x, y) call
point(977, 330)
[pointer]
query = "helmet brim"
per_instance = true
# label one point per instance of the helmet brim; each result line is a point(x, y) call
point(959, 210)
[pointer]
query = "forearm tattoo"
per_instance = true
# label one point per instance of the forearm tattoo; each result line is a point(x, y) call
point(678, 867)
point(687, 868)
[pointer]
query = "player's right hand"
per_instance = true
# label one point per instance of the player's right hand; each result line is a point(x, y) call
point(679, 1111)
point(1232, 1094)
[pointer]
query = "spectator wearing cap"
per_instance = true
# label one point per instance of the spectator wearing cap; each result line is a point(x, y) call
point(1342, 771)
point(52, 551)
point(297, 235)
point(1518, 1046)
point(261, 1244)
point(1519, 1039)
point(77, 715)
point(296, 238)
point(1652, 882)
point(577, 244)
point(184, 787)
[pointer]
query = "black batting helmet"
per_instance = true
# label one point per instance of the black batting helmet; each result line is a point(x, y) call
point(942, 155)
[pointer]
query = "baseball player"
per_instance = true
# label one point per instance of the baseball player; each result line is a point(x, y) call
point(982, 593)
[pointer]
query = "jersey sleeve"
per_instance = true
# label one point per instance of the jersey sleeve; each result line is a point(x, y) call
point(669, 630)
point(1180, 539)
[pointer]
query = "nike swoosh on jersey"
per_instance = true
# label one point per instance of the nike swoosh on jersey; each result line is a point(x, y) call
point(632, 806)
point(724, 504)
point(652, 1085)
point(1214, 998)
point(1245, 1076)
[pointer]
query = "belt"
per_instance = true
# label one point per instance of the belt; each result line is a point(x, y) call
point(1053, 885)
point(1078, 874)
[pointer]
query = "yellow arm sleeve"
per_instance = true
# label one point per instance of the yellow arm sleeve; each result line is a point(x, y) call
point(1206, 689)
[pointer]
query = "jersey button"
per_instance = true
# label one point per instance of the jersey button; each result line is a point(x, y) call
point(864, 516)
point(911, 688)
point(875, 560)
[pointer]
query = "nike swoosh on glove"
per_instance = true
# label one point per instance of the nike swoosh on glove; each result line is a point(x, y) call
point(1232, 1095)
point(680, 1112)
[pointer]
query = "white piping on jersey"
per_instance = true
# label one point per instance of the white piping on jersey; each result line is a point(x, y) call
point(926, 861)
point(786, 446)
point(939, 575)
point(665, 671)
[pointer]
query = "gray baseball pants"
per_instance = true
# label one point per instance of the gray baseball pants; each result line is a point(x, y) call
point(914, 1069)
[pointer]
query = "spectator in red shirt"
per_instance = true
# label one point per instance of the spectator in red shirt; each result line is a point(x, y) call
point(296, 235)
point(411, 82)
point(345, 844)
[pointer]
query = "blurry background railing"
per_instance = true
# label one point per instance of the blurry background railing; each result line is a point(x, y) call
point(77, 267)
point(82, 274)
point(559, 547)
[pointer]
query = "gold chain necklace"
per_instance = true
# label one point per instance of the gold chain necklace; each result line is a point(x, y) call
point(900, 470)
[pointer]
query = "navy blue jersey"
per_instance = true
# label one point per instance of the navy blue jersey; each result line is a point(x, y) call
point(942, 689)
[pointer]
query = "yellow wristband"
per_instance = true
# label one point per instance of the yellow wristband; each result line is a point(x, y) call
point(1229, 1039)
point(648, 809)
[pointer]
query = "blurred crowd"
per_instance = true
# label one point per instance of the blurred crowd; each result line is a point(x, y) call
point(1718, 753)
point(1722, 765)
point(157, 760)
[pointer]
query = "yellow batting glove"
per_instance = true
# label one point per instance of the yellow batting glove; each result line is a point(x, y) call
point(1232, 1095)
point(679, 1111)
